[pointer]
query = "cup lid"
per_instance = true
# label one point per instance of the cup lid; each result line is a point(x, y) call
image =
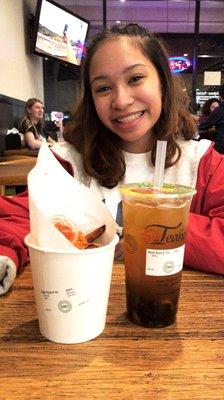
point(146, 190)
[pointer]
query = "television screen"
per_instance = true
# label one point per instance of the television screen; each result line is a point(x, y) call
point(59, 33)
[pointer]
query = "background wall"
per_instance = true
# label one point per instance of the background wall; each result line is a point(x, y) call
point(62, 87)
point(21, 74)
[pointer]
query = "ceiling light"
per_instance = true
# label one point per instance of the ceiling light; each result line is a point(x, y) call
point(204, 56)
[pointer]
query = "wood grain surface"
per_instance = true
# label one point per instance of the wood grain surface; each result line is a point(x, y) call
point(15, 172)
point(21, 152)
point(184, 361)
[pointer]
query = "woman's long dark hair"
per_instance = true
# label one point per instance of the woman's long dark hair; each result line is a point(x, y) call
point(100, 148)
point(205, 110)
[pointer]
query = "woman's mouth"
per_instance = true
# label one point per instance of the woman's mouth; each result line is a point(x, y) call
point(127, 119)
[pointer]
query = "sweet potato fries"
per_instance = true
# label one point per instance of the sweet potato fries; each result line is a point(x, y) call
point(77, 238)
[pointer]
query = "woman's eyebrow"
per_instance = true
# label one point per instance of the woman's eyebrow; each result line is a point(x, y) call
point(127, 69)
point(98, 78)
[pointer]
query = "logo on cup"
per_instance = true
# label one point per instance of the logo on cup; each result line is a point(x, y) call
point(64, 306)
point(168, 267)
point(163, 234)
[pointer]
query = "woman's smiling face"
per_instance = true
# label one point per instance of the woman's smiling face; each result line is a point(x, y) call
point(36, 112)
point(127, 93)
point(214, 105)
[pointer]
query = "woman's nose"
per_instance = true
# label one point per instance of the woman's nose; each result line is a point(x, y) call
point(122, 99)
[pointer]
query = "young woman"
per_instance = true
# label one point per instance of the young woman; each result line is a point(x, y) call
point(32, 124)
point(127, 106)
point(207, 108)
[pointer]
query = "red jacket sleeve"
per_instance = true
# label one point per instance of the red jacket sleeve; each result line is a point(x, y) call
point(205, 237)
point(14, 226)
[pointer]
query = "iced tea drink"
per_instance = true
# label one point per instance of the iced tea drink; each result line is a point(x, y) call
point(155, 226)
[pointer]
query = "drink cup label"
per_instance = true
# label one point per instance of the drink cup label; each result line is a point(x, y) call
point(164, 262)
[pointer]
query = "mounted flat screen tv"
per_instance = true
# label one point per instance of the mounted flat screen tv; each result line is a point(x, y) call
point(59, 34)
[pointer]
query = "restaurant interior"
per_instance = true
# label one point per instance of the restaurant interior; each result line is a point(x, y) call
point(58, 83)
point(127, 361)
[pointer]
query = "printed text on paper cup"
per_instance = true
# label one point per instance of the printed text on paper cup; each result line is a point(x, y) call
point(63, 301)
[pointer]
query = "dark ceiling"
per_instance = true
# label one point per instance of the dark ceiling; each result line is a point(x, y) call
point(167, 16)
point(170, 18)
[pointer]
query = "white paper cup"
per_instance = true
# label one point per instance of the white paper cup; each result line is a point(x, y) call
point(71, 290)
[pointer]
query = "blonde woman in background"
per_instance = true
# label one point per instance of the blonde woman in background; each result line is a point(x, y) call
point(32, 124)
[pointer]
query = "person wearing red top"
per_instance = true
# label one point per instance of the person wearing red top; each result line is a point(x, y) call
point(127, 106)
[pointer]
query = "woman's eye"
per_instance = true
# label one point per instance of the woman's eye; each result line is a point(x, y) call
point(102, 89)
point(136, 78)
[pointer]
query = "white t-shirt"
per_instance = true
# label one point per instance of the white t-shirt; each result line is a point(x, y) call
point(139, 169)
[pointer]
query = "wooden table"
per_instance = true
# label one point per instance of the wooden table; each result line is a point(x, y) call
point(14, 172)
point(183, 361)
point(25, 151)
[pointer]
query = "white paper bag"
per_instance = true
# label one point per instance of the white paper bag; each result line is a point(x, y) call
point(52, 192)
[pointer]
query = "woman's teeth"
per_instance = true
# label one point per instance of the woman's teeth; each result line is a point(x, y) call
point(129, 118)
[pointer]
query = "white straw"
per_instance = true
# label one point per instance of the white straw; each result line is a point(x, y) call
point(159, 164)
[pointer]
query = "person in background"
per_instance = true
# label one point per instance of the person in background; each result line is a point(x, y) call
point(66, 122)
point(32, 124)
point(126, 107)
point(216, 119)
point(207, 108)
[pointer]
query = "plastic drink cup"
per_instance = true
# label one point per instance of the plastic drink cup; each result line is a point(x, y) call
point(71, 290)
point(155, 224)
